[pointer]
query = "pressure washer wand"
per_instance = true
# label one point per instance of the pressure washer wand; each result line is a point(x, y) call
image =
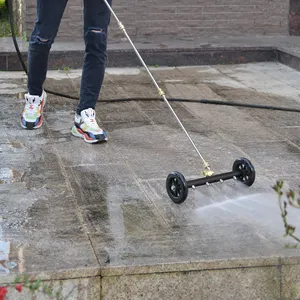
point(207, 171)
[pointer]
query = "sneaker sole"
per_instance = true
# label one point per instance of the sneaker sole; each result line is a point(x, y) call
point(85, 136)
point(33, 127)
point(41, 119)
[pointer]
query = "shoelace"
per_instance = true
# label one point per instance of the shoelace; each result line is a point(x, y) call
point(31, 105)
point(90, 120)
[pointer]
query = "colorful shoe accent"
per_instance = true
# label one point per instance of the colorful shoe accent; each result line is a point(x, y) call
point(86, 127)
point(32, 116)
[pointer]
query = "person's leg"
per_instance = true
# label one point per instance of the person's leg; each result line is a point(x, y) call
point(49, 14)
point(96, 22)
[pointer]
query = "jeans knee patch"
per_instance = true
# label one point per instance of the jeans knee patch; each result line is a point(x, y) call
point(96, 36)
point(41, 41)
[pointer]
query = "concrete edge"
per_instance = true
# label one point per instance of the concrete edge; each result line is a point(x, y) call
point(56, 274)
point(290, 260)
point(202, 265)
point(153, 56)
point(289, 59)
point(264, 282)
point(82, 288)
point(190, 266)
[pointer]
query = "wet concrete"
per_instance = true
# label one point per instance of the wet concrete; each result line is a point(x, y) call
point(71, 210)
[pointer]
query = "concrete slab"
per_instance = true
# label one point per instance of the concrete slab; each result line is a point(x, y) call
point(101, 212)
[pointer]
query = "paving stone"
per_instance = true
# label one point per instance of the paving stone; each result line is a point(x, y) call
point(189, 242)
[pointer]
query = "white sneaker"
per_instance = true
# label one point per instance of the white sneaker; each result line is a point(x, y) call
point(32, 116)
point(86, 127)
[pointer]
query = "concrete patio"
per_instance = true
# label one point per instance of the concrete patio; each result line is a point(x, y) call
point(97, 218)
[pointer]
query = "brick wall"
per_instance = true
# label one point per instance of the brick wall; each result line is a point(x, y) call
point(145, 19)
point(294, 18)
point(71, 25)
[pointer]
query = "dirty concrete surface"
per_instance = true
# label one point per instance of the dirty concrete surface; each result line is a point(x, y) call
point(71, 208)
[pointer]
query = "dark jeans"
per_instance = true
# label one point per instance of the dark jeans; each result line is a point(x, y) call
point(96, 21)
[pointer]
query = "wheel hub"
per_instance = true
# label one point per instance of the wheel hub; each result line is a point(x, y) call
point(177, 187)
point(246, 169)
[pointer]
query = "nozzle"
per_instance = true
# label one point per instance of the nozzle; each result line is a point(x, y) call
point(207, 171)
point(161, 92)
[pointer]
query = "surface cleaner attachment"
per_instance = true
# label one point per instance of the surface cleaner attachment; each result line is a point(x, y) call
point(177, 186)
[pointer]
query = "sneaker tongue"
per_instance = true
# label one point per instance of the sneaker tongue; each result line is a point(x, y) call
point(91, 113)
point(89, 118)
point(88, 113)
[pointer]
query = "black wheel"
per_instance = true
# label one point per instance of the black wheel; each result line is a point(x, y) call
point(247, 170)
point(177, 187)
